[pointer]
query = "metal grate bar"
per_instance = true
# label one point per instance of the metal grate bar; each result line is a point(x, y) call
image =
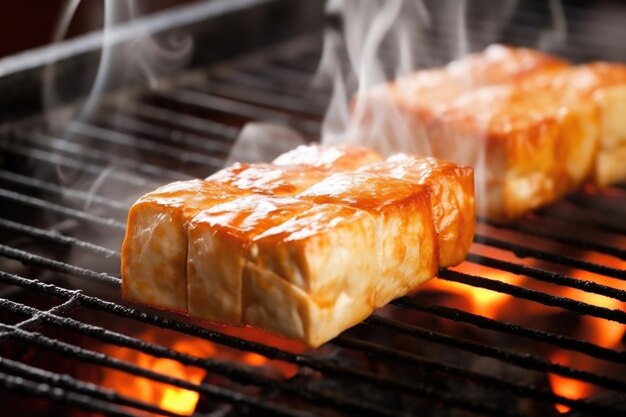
point(548, 276)
point(61, 191)
point(555, 237)
point(221, 104)
point(523, 251)
point(43, 262)
point(273, 353)
point(102, 157)
point(230, 371)
point(104, 360)
point(547, 299)
point(46, 205)
point(486, 380)
point(593, 203)
point(265, 98)
point(483, 322)
point(81, 215)
point(240, 344)
point(57, 238)
point(580, 307)
point(201, 126)
point(65, 308)
point(213, 366)
point(117, 120)
point(80, 387)
point(241, 78)
point(584, 220)
point(526, 361)
point(133, 142)
point(56, 160)
point(52, 392)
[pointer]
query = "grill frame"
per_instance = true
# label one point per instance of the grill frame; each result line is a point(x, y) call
point(42, 194)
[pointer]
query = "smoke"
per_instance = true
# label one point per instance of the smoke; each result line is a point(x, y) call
point(262, 142)
point(144, 61)
point(369, 60)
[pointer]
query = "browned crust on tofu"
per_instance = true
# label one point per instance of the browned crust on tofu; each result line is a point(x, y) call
point(452, 196)
point(154, 252)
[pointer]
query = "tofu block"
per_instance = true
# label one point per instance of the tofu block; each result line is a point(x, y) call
point(154, 252)
point(413, 100)
point(603, 84)
point(219, 243)
point(328, 159)
point(452, 197)
point(520, 143)
point(406, 238)
point(313, 276)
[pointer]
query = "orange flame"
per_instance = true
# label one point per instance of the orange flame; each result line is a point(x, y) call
point(602, 332)
point(166, 396)
point(482, 301)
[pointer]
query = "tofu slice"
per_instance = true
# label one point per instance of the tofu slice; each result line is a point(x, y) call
point(452, 196)
point(313, 276)
point(219, 242)
point(519, 141)
point(154, 252)
point(406, 239)
point(328, 159)
point(605, 85)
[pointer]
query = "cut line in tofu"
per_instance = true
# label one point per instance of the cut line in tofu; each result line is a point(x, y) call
point(406, 238)
point(154, 252)
point(219, 243)
point(314, 275)
point(452, 195)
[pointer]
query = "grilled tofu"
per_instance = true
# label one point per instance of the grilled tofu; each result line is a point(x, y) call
point(603, 84)
point(392, 117)
point(219, 243)
point(519, 142)
point(314, 275)
point(452, 198)
point(406, 238)
point(241, 248)
point(154, 252)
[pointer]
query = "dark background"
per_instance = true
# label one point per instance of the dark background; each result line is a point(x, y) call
point(26, 24)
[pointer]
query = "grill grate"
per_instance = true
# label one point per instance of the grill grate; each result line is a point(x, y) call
point(59, 284)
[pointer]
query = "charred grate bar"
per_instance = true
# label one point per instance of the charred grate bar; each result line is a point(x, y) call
point(232, 372)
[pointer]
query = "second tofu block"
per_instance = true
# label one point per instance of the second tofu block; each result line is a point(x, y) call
point(219, 243)
point(406, 237)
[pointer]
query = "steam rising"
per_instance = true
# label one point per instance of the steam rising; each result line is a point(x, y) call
point(383, 41)
point(144, 61)
point(262, 142)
